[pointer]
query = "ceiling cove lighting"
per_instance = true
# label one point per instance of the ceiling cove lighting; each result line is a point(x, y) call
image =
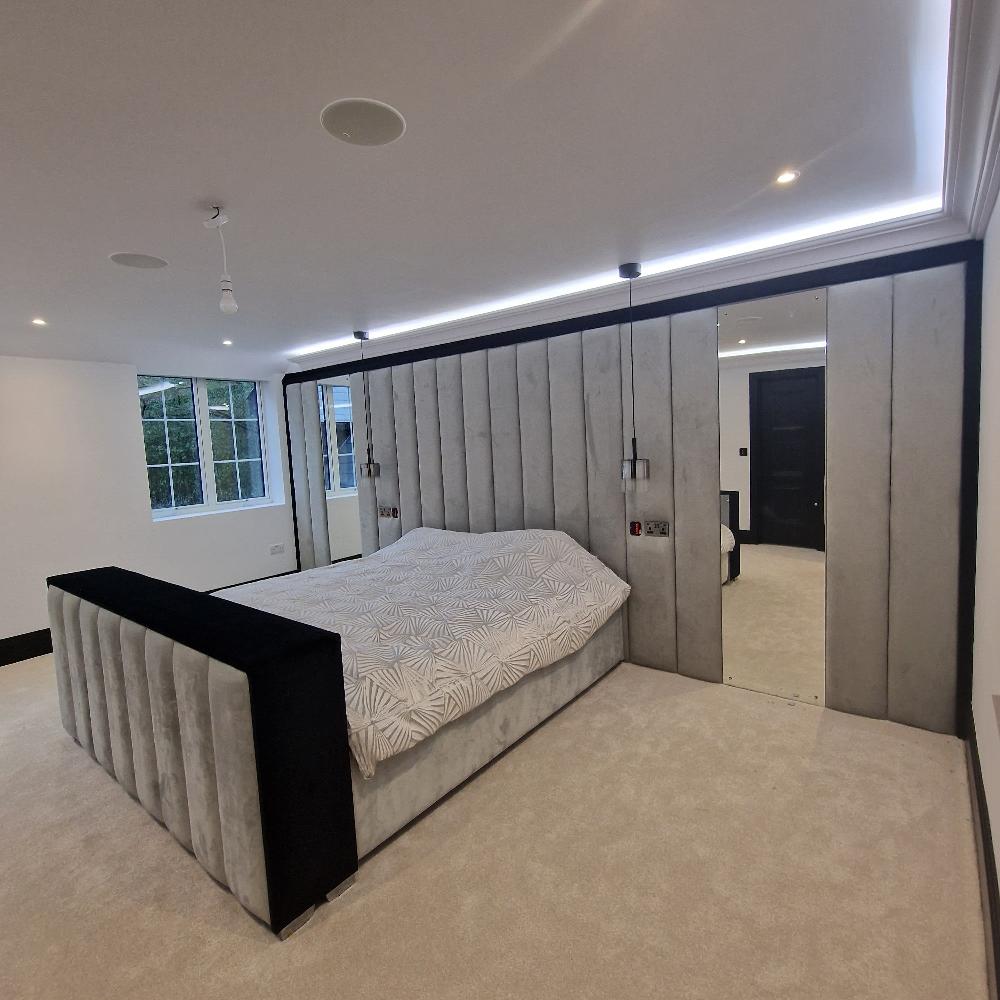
point(787, 177)
point(38, 321)
point(664, 265)
point(809, 345)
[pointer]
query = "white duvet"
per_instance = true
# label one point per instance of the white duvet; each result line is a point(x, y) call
point(440, 621)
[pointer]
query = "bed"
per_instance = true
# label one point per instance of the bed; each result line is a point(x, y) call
point(282, 730)
point(729, 506)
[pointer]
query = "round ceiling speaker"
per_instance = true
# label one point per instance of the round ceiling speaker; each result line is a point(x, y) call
point(362, 121)
point(137, 260)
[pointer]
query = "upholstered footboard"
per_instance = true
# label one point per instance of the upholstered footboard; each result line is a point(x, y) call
point(226, 723)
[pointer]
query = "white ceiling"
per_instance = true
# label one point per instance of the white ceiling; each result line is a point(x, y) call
point(546, 140)
point(780, 320)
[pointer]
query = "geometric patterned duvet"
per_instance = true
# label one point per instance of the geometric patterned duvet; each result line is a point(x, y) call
point(438, 622)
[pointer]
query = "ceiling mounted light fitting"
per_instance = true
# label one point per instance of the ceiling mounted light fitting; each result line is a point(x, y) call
point(38, 321)
point(788, 177)
point(362, 121)
point(369, 469)
point(227, 301)
point(635, 470)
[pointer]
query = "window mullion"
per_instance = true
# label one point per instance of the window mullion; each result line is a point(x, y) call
point(206, 458)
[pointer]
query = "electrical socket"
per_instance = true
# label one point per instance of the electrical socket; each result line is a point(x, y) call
point(276, 550)
point(658, 529)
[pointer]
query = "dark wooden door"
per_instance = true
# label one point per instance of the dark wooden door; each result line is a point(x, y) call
point(787, 457)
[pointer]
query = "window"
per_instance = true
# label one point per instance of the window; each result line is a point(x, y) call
point(204, 446)
point(338, 438)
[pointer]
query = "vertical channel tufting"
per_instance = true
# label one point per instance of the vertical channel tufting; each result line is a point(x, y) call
point(147, 772)
point(109, 636)
point(452, 424)
point(404, 417)
point(602, 388)
point(425, 402)
point(383, 433)
point(64, 684)
point(478, 441)
point(77, 671)
point(191, 670)
point(96, 694)
point(367, 512)
point(569, 437)
point(536, 433)
point(166, 733)
point(505, 437)
point(236, 777)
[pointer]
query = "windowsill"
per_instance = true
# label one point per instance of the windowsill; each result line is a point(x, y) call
point(341, 494)
point(179, 515)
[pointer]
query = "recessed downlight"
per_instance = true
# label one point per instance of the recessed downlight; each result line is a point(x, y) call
point(362, 121)
point(38, 321)
point(227, 343)
point(137, 260)
point(788, 177)
point(741, 341)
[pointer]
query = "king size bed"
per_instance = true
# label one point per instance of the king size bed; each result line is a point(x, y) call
point(283, 729)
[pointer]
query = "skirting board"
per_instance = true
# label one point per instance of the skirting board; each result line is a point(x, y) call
point(24, 647)
point(987, 860)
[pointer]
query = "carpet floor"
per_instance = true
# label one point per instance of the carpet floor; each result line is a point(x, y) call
point(774, 623)
point(660, 837)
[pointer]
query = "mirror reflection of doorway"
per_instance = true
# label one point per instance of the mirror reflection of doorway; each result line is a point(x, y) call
point(772, 356)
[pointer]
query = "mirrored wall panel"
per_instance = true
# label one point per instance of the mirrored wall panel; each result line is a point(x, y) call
point(772, 425)
point(336, 415)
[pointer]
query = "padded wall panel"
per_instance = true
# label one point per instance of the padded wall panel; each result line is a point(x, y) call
point(109, 628)
point(314, 479)
point(77, 670)
point(452, 426)
point(425, 393)
point(64, 685)
point(96, 695)
point(602, 388)
point(505, 435)
point(927, 380)
point(694, 365)
point(478, 441)
point(300, 476)
point(147, 773)
point(404, 416)
point(858, 443)
point(652, 625)
point(383, 432)
point(367, 512)
point(569, 438)
point(536, 433)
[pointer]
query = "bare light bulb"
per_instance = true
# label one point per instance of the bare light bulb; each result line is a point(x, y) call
point(227, 301)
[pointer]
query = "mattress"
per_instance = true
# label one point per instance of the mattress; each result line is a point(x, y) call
point(437, 623)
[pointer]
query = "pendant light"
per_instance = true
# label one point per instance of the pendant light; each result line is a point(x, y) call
point(369, 469)
point(227, 301)
point(635, 470)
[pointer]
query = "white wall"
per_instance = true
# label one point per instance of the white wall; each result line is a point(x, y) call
point(734, 415)
point(73, 492)
point(986, 656)
point(344, 520)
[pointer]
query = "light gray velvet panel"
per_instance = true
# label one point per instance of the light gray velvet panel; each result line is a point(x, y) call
point(96, 694)
point(109, 628)
point(367, 511)
point(569, 437)
point(425, 399)
point(60, 662)
point(405, 785)
point(404, 416)
point(602, 389)
point(478, 441)
point(858, 443)
point(197, 745)
point(147, 772)
point(236, 773)
point(694, 375)
point(652, 625)
point(505, 432)
point(383, 432)
point(536, 433)
point(928, 359)
point(451, 418)
point(167, 736)
point(77, 670)
point(314, 479)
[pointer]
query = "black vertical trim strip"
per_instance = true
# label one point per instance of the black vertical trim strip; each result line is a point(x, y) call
point(291, 478)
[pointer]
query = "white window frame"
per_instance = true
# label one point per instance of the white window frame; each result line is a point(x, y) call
point(206, 458)
point(333, 456)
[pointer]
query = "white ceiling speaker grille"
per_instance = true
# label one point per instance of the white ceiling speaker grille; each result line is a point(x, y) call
point(137, 260)
point(363, 122)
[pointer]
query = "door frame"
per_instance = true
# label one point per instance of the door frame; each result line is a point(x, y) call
point(777, 375)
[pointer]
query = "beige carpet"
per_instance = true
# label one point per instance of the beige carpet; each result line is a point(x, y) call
point(773, 623)
point(661, 837)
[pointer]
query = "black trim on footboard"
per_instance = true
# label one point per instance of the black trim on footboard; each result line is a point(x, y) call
point(24, 647)
point(296, 683)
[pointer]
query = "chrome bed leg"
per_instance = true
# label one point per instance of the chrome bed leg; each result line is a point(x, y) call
point(342, 888)
point(286, 932)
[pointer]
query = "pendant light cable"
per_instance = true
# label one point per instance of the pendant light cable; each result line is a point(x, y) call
point(631, 365)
